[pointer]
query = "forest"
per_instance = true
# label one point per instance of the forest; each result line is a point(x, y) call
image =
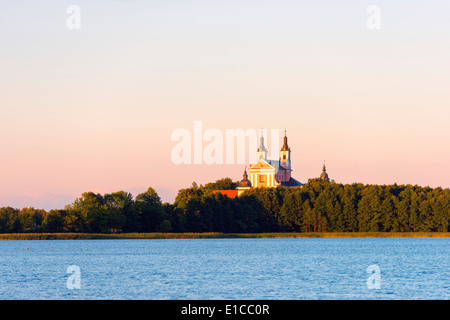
point(318, 206)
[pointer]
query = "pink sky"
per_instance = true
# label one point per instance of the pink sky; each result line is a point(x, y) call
point(94, 109)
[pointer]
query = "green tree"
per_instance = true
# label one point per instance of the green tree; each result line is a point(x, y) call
point(350, 207)
point(439, 221)
point(387, 214)
point(122, 214)
point(73, 221)
point(8, 217)
point(426, 216)
point(221, 184)
point(31, 219)
point(247, 214)
point(93, 210)
point(291, 215)
point(185, 195)
point(151, 213)
point(54, 221)
point(173, 215)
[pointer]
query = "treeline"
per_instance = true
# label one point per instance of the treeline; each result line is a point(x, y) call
point(319, 206)
point(92, 213)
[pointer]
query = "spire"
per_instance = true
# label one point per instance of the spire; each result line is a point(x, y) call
point(324, 175)
point(261, 143)
point(245, 174)
point(285, 144)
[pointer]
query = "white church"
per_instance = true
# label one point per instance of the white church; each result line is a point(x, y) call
point(267, 173)
point(270, 173)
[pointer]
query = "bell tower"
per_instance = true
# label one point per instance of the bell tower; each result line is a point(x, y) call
point(285, 153)
point(285, 160)
point(262, 151)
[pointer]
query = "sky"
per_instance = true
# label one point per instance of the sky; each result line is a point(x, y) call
point(89, 100)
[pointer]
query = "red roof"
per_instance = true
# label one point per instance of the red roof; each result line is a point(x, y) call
point(228, 193)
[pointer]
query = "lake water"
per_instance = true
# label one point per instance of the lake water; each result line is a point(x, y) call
point(408, 268)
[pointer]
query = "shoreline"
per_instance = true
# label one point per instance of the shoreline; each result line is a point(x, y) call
point(215, 235)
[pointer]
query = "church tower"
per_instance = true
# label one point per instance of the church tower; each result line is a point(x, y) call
point(285, 154)
point(285, 161)
point(269, 173)
point(262, 151)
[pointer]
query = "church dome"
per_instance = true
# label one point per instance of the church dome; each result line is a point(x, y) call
point(324, 174)
point(245, 183)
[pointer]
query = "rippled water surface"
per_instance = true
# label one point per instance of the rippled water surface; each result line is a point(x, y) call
point(410, 268)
